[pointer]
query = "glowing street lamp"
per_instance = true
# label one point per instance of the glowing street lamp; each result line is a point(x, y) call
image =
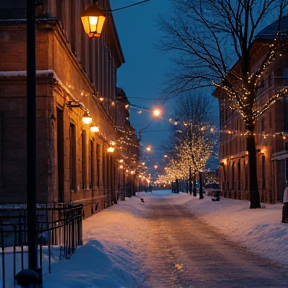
point(94, 128)
point(149, 149)
point(93, 20)
point(87, 119)
point(110, 149)
point(157, 112)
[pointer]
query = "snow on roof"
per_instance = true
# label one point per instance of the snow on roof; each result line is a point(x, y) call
point(269, 31)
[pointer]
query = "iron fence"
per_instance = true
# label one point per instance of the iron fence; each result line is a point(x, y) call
point(59, 234)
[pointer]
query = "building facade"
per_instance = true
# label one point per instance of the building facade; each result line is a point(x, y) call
point(74, 75)
point(271, 128)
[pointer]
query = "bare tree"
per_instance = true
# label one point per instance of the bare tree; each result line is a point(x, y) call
point(207, 38)
point(193, 136)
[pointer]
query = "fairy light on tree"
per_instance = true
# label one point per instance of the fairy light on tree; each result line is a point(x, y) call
point(192, 145)
point(211, 36)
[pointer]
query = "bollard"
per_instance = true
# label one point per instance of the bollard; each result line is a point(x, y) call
point(27, 278)
point(285, 206)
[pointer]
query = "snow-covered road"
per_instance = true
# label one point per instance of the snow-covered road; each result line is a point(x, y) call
point(159, 243)
point(181, 251)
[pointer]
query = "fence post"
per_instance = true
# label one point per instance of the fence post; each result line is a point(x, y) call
point(3, 255)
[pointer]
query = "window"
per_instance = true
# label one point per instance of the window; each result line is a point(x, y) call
point(269, 80)
point(239, 174)
point(60, 155)
point(97, 164)
point(270, 120)
point(262, 124)
point(286, 170)
point(91, 162)
point(1, 149)
point(84, 160)
point(72, 157)
point(263, 173)
point(233, 176)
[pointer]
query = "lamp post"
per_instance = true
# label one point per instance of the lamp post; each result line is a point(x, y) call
point(33, 273)
point(31, 136)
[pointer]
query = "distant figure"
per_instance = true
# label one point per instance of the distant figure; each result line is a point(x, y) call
point(285, 195)
point(142, 200)
point(217, 196)
point(285, 205)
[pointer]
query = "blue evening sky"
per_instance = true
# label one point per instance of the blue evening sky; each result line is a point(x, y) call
point(143, 72)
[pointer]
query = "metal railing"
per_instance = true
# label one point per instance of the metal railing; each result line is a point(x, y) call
point(59, 234)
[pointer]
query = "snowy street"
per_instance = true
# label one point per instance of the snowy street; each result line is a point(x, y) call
point(160, 244)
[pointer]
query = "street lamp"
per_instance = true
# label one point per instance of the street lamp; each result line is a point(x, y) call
point(94, 128)
point(93, 21)
point(157, 112)
point(87, 119)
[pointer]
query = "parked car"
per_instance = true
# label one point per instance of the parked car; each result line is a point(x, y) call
point(210, 188)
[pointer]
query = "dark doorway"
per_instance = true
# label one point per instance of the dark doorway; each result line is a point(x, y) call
point(60, 155)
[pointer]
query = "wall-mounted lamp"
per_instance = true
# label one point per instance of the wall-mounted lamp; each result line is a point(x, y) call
point(224, 162)
point(87, 119)
point(72, 104)
point(93, 20)
point(94, 128)
point(110, 149)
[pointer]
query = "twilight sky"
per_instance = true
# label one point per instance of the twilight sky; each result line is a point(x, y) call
point(144, 69)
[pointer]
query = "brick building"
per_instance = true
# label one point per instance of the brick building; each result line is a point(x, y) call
point(75, 74)
point(271, 128)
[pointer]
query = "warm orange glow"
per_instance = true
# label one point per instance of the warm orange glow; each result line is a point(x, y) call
point(94, 129)
point(155, 166)
point(87, 119)
point(149, 149)
point(157, 112)
point(110, 149)
point(93, 21)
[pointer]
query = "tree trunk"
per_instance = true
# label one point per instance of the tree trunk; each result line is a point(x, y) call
point(194, 187)
point(253, 182)
point(190, 180)
point(200, 186)
point(177, 185)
